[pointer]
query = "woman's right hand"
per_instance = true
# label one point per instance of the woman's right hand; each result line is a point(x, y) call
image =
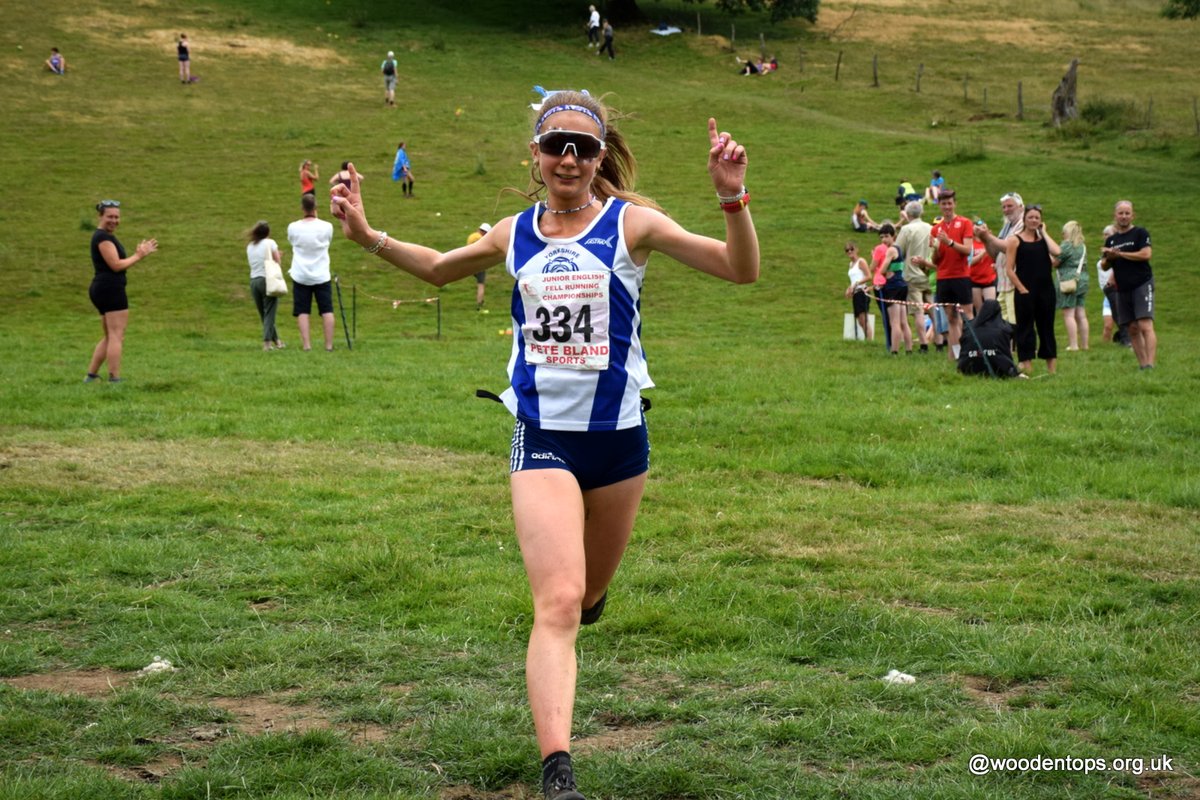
point(347, 206)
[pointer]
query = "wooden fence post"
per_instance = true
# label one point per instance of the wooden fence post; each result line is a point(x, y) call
point(1196, 115)
point(699, 32)
point(1150, 114)
point(762, 45)
point(837, 71)
point(920, 69)
point(733, 37)
point(875, 69)
point(1020, 102)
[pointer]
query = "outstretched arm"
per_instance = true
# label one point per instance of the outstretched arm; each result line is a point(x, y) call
point(421, 262)
point(737, 258)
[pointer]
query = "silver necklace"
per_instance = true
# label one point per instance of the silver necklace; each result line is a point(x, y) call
point(591, 199)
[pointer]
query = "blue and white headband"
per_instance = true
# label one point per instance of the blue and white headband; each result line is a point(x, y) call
point(567, 107)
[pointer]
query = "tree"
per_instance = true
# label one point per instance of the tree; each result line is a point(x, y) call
point(1182, 9)
point(628, 11)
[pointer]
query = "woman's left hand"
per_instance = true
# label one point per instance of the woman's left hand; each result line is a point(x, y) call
point(726, 161)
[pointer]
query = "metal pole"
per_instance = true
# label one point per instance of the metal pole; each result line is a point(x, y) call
point(354, 308)
point(337, 283)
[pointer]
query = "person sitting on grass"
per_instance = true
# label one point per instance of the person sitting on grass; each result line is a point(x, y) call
point(860, 220)
point(56, 63)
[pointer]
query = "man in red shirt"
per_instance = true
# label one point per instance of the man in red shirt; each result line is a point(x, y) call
point(953, 239)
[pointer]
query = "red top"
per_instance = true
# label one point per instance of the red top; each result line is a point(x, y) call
point(951, 263)
point(983, 271)
point(306, 184)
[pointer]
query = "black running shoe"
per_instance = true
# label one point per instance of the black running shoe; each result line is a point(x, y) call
point(561, 785)
point(591, 615)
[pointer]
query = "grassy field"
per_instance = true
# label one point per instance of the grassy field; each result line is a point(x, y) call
point(322, 543)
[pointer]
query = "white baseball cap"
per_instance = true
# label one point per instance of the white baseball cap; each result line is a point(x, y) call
point(390, 54)
point(485, 227)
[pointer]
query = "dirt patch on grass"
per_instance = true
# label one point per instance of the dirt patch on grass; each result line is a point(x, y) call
point(205, 44)
point(471, 793)
point(997, 694)
point(152, 772)
point(174, 463)
point(618, 734)
point(89, 683)
point(1168, 785)
point(259, 715)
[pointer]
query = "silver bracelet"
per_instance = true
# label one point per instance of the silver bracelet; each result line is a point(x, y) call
point(723, 199)
point(375, 248)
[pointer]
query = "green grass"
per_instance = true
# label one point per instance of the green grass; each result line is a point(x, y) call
point(331, 534)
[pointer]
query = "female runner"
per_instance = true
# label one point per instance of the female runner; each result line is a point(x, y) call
point(579, 450)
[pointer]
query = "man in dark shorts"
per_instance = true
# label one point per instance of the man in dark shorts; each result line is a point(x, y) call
point(1127, 253)
point(953, 239)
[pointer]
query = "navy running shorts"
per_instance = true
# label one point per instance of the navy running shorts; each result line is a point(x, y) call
point(595, 458)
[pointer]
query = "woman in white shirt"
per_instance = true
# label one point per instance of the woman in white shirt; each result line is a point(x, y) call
point(259, 249)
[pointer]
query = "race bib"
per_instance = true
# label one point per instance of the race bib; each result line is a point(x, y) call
point(566, 320)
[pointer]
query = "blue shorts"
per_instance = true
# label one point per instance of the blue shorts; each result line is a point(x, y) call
point(595, 458)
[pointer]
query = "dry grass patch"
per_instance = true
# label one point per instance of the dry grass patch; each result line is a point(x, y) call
point(144, 463)
point(260, 715)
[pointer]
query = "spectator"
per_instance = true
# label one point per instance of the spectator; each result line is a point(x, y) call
point(860, 220)
point(402, 171)
point(388, 68)
point(1127, 252)
point(1013, 209)
point(913, 240)
point(310, 238)
point(608, 41)
point(56, 63)
point(593, 27)
point(260, 249)
point(860, 281)
point(183, 51)
point(953, 241)
point(983, 276)
point(1104, 280)
point(107, 291)
point(308, 174)
point(342, 176)
point(1072, 263)
point(481, 276)
point(905, 194)
point(989, 349)
point(934, 189)
point(889, 283)
point(1029, 262)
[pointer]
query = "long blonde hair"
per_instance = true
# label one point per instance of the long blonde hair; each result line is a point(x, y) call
point(618, 171)
point(1073, 233)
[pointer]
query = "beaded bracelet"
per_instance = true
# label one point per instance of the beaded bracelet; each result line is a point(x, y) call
point(732, 198)
point(734, 206)
point(375, 248)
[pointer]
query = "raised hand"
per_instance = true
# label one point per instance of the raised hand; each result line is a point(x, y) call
point(347, 206)
point(726, 161)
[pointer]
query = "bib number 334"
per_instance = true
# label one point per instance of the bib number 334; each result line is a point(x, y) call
point(566, 320)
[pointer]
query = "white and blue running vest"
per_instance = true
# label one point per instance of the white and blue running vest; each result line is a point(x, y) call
point(566, 399)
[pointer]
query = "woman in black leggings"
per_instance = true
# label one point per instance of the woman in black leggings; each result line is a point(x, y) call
point(1030, 267)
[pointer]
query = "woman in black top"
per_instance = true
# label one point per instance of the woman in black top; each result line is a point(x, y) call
point(107, 291)
point(185, 58)
point(1029, 264)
